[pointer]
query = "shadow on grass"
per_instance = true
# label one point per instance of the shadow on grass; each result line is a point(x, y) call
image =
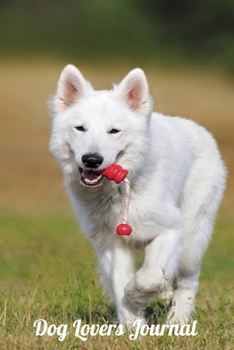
point(154, 314)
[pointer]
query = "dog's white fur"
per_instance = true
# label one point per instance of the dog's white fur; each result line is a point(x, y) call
point(177, 179)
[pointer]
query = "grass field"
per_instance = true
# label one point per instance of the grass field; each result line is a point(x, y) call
point(47, 267)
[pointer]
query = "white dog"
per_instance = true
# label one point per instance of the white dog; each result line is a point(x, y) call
point(177, 179)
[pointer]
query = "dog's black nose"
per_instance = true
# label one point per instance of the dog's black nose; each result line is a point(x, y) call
point(92, 160)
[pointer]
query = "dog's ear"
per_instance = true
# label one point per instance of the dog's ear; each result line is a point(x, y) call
point(71, 87)
point(135, 91)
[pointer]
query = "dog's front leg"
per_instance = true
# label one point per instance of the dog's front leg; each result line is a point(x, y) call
point(116, 268)
point(161, 260)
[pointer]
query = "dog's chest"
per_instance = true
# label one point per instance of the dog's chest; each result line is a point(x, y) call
point(102, 216)
point(100, 212)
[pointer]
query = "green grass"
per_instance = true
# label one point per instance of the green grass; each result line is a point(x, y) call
point(47, 271)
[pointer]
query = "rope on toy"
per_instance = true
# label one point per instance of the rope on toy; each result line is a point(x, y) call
point(116, 173)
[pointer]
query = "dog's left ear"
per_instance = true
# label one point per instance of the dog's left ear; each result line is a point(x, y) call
point(135, 91)
point(71, 87)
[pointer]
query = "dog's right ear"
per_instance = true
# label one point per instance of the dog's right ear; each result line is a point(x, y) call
point(71, 87)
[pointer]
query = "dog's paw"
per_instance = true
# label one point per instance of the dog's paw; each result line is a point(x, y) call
point(138, 293)
point(129, 324)
point(167, 294)
point(180, 316)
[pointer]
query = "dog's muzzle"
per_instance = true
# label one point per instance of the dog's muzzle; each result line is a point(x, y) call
point(90, 177)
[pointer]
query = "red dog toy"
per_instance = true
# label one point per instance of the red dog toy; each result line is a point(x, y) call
point(116, 173)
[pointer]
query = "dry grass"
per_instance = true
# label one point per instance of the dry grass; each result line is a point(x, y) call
point(45, 274)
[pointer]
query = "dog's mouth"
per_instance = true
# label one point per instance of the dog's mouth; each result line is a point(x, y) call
point(90, 177)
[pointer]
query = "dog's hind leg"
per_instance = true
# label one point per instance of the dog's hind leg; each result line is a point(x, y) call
point(116, 268)
point(201, 198)
point(182, 307)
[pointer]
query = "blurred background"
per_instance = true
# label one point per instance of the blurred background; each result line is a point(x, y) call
point(187, 52)
point(186, 49)
point(201, 31)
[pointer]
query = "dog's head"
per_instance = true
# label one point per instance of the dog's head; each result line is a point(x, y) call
point(93, 129)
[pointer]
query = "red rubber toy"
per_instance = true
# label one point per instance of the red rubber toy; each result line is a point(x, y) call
point(115, 172)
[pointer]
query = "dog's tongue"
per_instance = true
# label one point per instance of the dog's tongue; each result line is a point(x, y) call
point(90, 175)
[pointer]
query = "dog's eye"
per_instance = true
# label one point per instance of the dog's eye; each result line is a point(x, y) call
point(80, 128)
point(114, 131)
